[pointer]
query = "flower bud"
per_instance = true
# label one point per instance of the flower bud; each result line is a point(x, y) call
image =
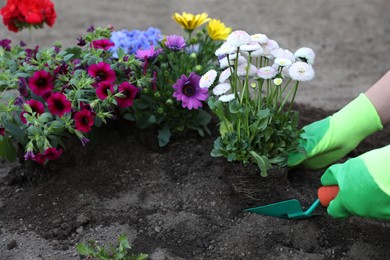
point(193, 55)
point(253, 85)
point(145, 90)
point(157, 94)
point(198, 68)
point(169, 102)
point(160, 110)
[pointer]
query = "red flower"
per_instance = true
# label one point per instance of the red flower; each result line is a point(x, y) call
point(102, 88)
point(101, 72)
point(36, 107)
point(19, 14)
point(104, 44)
point(2, 131)
point(130, 91)
point(58, 104)
point(52, 153)
point(40, 158)
point(84, 120)
point(41, 82)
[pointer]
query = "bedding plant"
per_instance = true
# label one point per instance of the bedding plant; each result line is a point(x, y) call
point(48, 95)
point(253, 97)
point(172, 100)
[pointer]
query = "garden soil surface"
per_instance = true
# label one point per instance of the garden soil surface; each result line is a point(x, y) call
point(175, 202)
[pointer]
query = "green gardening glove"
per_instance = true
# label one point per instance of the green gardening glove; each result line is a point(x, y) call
point(364, 184)
point(330, 139)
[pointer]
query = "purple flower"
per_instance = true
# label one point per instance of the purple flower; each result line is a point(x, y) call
point(148, 54)
point(91, 28)
point(5, 43)
point(84, 141)
point(175, 42)
point(187, 91)
point(22, 87)
point(29, 155)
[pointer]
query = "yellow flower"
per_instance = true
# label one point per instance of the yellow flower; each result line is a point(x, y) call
point(218, 30)
point(189, 21)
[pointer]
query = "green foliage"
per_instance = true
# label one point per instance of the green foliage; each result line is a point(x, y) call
point(121, 252)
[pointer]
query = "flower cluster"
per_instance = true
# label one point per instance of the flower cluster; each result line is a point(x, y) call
point(173, 100)
point(61, 93)
point(257, 80)
point(20, 14)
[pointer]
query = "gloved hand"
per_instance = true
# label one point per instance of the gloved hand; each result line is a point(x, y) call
point(330, 139)
point(364, 183)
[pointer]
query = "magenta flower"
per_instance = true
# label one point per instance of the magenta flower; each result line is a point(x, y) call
point(40, 158)
point(36, 107)
point(101, 72)
point(130, 91)
point(58, 104)
point(148, 54)
point(103, 88)
point(84, 120)
point(175, 42)
point(187, 91)
point(52, 153)
point(41, 82)
point(104, 44)
point(2, 131)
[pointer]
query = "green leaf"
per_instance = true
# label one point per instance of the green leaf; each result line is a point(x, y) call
point(7, 149)
point(129, 117)
point(235, 107)
point(84, 249)
point(15, 131)
point(262, 163)
point(164, 136)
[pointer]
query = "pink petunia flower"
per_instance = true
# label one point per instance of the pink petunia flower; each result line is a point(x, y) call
point(84, 120)
point(187, 91)
point(40, 158)
point(148, 54)
point(104, 44)
point(129, 91)
point(52, 153)
point(103, 88)
point(41, 82)
point(58, 104)
point(2, 131)
point(36, 107)
point(101, 72)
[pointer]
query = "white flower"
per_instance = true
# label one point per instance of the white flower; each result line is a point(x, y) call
point(224, 63)
point(280, 53)
point(283, 62)
point(267, 72)
point(226, 98)
point(268, 47)
point(238, 38)
point(301, 71)
point(225, 75)
point(252, 46)
point(257, 53)
point(207, 79)
point(278, 81)
point(241, 70)
point(225, 49)
point(305, 54)
point(260, 38)
point(221, 89)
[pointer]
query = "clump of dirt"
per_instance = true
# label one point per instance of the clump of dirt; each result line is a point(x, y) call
point(175, 202)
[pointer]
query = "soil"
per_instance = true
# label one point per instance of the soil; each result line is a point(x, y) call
point(175, 202)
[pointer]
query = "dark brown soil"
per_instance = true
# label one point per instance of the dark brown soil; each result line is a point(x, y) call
point(175, 202)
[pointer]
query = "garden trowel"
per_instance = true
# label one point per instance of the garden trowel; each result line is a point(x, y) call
point(292, 209)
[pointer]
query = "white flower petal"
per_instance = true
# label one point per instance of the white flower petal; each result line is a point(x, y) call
point(301, 71)
point(238, 38)
point(226, 98)
point(221, 89)
point(207, 79)
point(305, 54)
point(225, 75)
point(260, 38)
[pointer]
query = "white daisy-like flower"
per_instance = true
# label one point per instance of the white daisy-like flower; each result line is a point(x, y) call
point(301, 71)
point(225, 75)
point(283, 62)
point(241, 70)
point(225, 49)
point(267, 72)
point(259, 37)
point(226, 98)
point(257, 53)
point(268, 47)
point(305, 54)
point(224, 63)
point(278, 81)
point(238, 38)
point(221, 89)
point(281, 53)
point(252, 46)
point(207, 79)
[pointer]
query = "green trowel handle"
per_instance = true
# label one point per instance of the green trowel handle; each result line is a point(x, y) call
point(327, 193)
